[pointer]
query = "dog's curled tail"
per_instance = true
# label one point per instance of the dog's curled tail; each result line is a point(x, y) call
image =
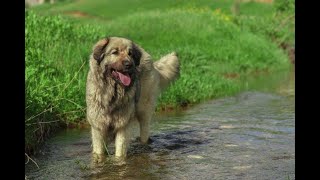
point(169, 69)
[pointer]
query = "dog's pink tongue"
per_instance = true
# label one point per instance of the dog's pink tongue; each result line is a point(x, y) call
point(125, 79)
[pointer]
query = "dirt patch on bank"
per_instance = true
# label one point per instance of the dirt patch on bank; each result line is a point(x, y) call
point(77, 14)
point(231, 75)
point(80, 14)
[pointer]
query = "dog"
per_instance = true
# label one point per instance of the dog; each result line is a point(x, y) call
point(122, 86)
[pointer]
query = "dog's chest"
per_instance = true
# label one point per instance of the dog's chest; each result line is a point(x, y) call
point(116, 98)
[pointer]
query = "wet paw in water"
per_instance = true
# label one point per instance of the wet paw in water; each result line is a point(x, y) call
point(97, 160)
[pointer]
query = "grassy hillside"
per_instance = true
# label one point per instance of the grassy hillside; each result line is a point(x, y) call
point(216, 48)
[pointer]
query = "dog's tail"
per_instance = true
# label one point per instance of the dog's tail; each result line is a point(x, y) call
point(169, 69)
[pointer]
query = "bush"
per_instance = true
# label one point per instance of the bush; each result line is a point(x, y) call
point(284, 5)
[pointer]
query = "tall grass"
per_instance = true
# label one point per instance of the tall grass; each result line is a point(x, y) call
point(56, 54)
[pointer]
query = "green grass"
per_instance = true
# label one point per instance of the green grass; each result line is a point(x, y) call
point(210, 41)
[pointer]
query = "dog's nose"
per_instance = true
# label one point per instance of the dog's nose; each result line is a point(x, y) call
point(126, 63)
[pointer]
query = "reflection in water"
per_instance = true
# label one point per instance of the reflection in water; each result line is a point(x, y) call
point(249, 136)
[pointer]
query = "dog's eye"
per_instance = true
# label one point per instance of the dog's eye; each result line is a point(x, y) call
point(130, 52)
point(114, 52)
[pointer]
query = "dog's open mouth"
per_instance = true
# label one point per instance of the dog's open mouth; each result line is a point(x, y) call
point(123, 77)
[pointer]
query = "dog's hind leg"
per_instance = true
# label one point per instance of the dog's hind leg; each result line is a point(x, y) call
point(144, 122)
point(145, 111)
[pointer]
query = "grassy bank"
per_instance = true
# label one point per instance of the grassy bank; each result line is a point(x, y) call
point(56, 54)
point(215, 46)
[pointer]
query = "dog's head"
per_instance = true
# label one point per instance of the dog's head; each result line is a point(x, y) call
point(118, 58)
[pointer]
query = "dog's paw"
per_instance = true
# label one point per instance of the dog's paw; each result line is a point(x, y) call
point(98, 159)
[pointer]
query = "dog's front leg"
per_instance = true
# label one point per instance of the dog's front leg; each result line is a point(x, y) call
point(121, 142)
point(98, 140)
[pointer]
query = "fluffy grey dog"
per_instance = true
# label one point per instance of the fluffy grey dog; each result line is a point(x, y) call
point(123, 84)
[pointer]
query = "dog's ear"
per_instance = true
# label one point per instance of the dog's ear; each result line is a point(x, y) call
point(98, 49)
point(136, 54)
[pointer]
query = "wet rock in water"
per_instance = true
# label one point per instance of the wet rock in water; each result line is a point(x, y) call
point(195, 157)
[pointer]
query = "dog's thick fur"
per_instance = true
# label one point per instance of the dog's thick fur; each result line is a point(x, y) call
point(123, 84)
